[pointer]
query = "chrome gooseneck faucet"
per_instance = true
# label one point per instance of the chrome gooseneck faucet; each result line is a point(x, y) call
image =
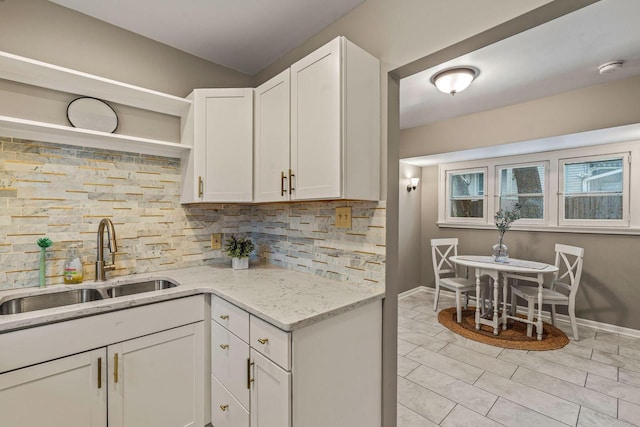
point(101, 267)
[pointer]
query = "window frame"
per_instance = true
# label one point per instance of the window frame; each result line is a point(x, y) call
point(545, 190)
point(630, 225)
point(484, 198)
point(625, 221)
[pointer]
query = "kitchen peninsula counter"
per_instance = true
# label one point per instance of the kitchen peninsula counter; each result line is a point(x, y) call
point(285, 298)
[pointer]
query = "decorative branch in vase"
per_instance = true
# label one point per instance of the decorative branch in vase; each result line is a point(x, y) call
point(503, 219)
point(239, 249)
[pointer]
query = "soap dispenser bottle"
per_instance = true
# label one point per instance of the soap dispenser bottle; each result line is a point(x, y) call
point(73, 267)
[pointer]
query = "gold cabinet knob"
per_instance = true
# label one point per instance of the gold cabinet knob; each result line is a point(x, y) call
point(224, 346)
point(263, 340)
point(224, 407)
point(224, 316)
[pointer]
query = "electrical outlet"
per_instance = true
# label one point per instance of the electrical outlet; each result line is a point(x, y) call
point(343, 217)
point(216, 240)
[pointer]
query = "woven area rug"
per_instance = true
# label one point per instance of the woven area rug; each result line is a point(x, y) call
point(515, 337)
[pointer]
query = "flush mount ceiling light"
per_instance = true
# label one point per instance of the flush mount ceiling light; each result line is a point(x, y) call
point(454, 80)
point(610, 67)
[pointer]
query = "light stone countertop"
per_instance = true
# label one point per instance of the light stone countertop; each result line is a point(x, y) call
point(287, 299)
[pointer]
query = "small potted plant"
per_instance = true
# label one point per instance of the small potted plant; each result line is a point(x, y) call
point(239, 249)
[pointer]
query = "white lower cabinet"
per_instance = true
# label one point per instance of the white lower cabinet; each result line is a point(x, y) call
point(270, 393)
point(152, 379)
point(226, 411)
point(229, 362)
point(156, 379)
point(326, 374)
point(66, 392)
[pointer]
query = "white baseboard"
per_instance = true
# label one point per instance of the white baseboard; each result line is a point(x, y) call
point(605, 327)
point(416, 290)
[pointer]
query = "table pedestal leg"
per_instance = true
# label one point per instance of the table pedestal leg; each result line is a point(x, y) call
point(478, 300)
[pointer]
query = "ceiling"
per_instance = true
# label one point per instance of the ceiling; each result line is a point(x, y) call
point(556, 57)
point(248, 35)
point(245, 35)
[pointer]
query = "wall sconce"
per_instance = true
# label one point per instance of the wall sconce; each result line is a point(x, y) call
point(454, 80)
point(413, 184)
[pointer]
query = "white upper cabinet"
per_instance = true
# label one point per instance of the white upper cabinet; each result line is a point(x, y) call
point(219, 129)
point(271, 140)
point(335, 124)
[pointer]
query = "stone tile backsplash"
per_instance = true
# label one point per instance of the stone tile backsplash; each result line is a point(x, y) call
point(62, 192)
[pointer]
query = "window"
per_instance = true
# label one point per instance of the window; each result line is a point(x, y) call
point(593, 190)
point(466, 195)
point(523, 184)
point(586, 189)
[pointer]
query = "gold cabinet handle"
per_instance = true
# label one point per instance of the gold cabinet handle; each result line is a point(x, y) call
point(224, 407)
point(224, 346)
point(291, 175)
point(115, 368)
point(200, 187)
point(283, 178)
point(263, 340)
point(249, 380)
point(99, 372)
point(224, 316)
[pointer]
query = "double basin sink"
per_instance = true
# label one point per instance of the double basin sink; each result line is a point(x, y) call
point(23, 304)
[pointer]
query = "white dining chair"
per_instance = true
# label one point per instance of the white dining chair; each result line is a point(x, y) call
point(441, 250)
point(562, 290)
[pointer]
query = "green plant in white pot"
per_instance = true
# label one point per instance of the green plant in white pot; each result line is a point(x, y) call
point(239, 249)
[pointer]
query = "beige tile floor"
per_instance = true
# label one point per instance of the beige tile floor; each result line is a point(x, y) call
point(447, 380)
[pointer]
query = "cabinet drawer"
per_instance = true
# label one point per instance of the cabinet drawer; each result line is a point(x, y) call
point(231, 317)
point(229, 362)
point(226, 411)
point(271, 342)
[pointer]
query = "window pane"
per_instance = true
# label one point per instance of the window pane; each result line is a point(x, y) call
point(523, 185)
point(466, 195)
point(593, 189)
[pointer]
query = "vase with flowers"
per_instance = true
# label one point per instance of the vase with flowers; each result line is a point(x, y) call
point(503, 219)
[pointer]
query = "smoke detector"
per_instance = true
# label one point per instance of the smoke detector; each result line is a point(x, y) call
point(610, 67)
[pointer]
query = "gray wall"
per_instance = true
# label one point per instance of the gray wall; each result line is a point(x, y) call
point(45, 31)
point(409, 229)
point(608, 291)
point(51, 33)
point(594, 107)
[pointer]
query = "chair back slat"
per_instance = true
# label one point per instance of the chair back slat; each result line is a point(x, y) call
point(569, 261)
point(441, 250)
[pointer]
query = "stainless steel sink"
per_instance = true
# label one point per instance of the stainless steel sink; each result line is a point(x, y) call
point(23, 304)
point(48, 300)
point(139, 287)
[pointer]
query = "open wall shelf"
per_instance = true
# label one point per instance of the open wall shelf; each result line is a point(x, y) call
point(37, 73)
point(48, 132)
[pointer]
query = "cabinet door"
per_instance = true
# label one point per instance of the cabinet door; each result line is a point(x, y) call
point(270, 393)
point(64, 392)
point(316, 131)
point(224, 125)
point(271, 140)
point(158, 380)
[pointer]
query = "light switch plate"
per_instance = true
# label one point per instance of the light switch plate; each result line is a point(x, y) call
point(343, 217)
point(216, 240)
